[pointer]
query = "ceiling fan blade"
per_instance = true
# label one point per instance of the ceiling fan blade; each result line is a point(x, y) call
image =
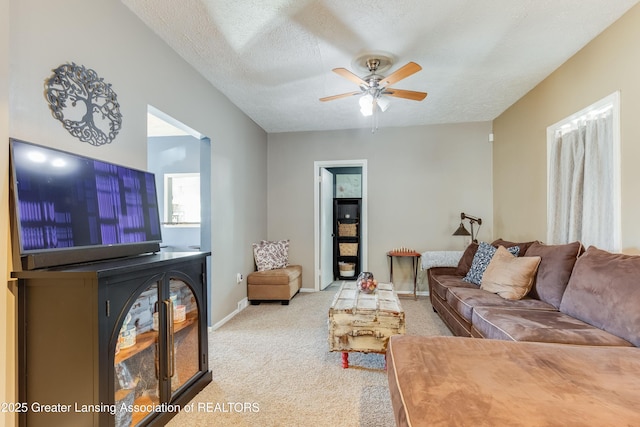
point(349, 76)
point(401, 73)
point(343, 95)
point(407, 94)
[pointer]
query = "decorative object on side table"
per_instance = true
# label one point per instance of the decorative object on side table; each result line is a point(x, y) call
point(402, 250)
point(88, 102)
point(462, 230)
point(366, 282)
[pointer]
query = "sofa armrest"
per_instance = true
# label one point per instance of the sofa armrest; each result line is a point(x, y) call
point(443, 270)
point(437, 271)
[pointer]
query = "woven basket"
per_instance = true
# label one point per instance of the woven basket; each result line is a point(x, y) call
point(346, 266)
point(347, 230)
point(347, 269)
point(348, 249)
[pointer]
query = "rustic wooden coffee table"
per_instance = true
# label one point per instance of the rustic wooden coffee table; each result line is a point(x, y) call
point(363, 322)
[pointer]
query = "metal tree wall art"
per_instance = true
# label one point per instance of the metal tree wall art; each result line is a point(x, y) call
point(86, 105)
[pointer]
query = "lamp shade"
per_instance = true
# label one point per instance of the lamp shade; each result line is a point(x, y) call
point(383, 103)
point(366, 105)
point(461, 231)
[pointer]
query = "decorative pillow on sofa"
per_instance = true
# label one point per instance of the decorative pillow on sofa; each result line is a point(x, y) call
point(271, 255)
point(481, 260)
point(509, 276)
point(467, 258)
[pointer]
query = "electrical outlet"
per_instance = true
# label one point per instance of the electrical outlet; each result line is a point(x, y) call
point(239, 278)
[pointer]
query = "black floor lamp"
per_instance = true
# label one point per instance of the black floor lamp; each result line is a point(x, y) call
point(462, 231)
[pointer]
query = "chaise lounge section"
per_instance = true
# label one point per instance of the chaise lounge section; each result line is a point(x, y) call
point(564, 354)
point(455, 381)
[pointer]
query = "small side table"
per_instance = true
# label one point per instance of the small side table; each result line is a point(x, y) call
point(415, 260)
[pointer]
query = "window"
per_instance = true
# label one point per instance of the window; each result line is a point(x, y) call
point(583, 177)
point(182, 199)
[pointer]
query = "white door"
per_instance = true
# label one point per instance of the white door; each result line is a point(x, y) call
point(326, 228)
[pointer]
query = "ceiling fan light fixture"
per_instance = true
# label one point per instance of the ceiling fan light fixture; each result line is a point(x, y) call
point(383, 103)
point(374, 86)
point(366, 105)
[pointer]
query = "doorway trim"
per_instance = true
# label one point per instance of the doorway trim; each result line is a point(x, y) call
point(317, 165)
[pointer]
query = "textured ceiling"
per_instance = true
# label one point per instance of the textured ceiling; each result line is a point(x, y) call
point(273, 58)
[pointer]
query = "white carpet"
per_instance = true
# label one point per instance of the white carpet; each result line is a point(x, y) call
point(272, 367)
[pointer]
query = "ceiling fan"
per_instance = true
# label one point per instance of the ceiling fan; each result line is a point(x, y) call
point(374, 88)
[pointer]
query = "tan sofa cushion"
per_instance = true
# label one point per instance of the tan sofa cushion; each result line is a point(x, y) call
point(509, 276)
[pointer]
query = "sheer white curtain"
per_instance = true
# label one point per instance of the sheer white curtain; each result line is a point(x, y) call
point(581, 184)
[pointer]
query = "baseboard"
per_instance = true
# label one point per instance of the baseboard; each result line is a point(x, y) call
point(242, 304)
point(307, 290)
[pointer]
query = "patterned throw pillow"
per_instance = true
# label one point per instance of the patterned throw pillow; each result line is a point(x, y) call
point(271, 255)
point(481, 260)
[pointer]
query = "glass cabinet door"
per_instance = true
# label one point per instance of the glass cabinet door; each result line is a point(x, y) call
point(136, 362)
point(158, 349)
point(185, 338)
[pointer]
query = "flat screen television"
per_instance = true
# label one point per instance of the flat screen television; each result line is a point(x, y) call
point(69, 208)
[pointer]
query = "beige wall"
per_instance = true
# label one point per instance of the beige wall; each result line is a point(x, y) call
point(609, 63)
point(420, 179)
point(106, 36)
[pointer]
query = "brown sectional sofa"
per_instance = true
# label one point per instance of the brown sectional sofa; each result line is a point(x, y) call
point(570, 343)
point(560, 307)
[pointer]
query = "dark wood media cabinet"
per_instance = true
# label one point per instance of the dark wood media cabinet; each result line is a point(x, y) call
point(112, 343)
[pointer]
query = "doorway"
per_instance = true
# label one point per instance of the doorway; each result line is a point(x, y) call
point(324, 172)
point(178, 155)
